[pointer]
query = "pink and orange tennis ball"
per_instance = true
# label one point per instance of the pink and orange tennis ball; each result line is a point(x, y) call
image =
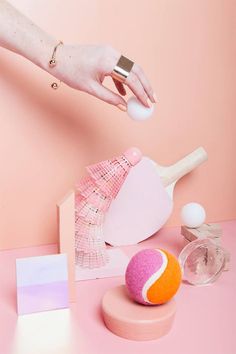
point(153, 276)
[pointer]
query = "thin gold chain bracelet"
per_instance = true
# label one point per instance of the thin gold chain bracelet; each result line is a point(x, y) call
point(53, 62)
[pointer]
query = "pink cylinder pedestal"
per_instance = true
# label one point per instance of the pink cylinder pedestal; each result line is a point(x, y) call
point(134, 321)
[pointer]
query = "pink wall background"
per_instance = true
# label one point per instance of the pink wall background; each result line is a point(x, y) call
point(187, 49)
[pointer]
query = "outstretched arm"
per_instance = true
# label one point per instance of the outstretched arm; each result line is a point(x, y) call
point(82, 67)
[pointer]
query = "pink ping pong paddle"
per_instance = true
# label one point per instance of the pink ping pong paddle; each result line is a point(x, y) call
point(145, 201)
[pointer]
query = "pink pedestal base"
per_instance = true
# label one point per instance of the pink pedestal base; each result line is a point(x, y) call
point(133, 321)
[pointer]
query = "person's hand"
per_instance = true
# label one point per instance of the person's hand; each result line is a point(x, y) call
point(84, 68)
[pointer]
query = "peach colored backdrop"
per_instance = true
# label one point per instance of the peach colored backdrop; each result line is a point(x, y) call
point(187, 49)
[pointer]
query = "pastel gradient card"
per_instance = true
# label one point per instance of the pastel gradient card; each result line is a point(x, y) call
point(42, 283)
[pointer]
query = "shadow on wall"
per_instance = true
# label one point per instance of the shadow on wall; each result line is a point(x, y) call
point(70, 111)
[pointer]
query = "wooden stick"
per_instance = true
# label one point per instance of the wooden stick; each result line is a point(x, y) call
point(170, 174)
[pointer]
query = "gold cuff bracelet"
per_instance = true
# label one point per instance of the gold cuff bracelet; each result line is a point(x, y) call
point(52, 63)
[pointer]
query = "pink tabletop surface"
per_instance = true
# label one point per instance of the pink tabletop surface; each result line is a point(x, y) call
point(204, 323)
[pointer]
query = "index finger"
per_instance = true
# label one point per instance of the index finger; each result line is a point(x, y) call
point(145, 82)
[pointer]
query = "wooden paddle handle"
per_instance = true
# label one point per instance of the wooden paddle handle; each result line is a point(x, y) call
point(174, 172)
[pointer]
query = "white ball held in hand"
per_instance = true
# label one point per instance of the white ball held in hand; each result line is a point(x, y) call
point(137, 111)
point(193, 215)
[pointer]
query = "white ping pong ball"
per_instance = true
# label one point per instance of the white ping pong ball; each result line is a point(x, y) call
point(193, 215)
point(137, 111)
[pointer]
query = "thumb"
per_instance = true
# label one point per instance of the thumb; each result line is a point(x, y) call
point(106, 95)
